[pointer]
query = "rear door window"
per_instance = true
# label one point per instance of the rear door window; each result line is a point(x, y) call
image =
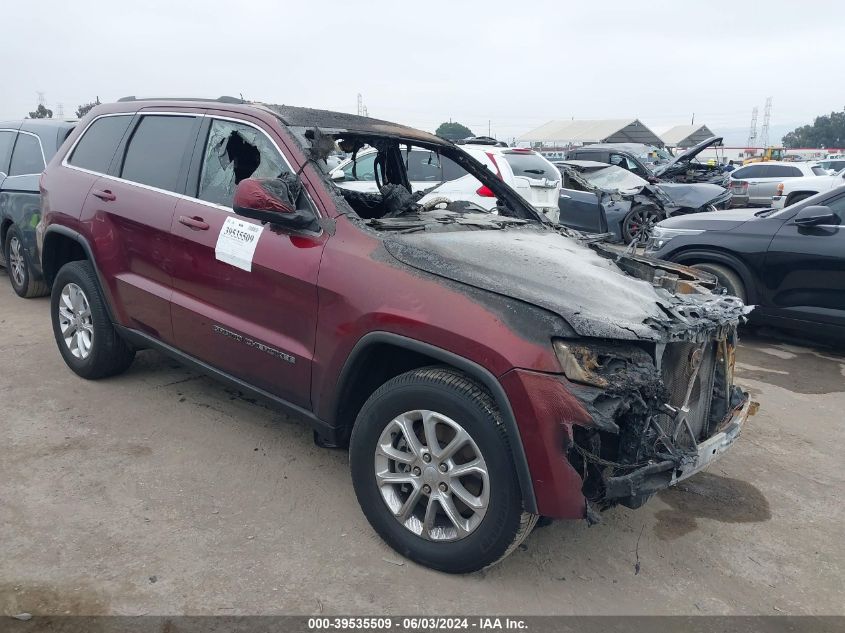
point(7, 140)
point(782, 171)
point(364, 168)
point(451, 169)
point(531, 166)
point(752, 171)
point(99, 142)
point(27, 157)
point(155, 153)
point(424, 166)
point(235, 151)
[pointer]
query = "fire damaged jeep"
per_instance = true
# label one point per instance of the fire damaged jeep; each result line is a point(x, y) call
point(485, 368)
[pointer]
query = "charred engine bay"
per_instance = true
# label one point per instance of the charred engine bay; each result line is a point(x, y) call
point(653, 337)
point(650, 406)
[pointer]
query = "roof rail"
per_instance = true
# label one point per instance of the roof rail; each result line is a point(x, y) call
point(223, 99)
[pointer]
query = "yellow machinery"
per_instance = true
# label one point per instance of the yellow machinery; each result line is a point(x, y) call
point(770, 153)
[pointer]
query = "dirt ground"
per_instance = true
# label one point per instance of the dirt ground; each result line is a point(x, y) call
point(163, 492)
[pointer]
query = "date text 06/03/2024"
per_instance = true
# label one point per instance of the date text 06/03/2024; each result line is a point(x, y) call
point(417, 623)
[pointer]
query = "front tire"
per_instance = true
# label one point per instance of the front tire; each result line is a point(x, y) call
point(434, 474)
point(639, 222)
point(21, 275)
point(87, 340)
point(728, 279)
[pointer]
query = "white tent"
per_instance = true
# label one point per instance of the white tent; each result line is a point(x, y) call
point(593, 131)
point(686, 135)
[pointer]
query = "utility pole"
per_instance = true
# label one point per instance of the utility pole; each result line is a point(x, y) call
point(488, 128)
point(752, 131)
point(693, 119)
point(767, 114)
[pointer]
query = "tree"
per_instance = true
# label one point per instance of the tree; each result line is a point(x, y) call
point(41, 113)
point(453, 131)
point(826, 131)
point(85, 108)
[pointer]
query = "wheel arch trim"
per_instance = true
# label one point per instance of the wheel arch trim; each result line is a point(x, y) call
point(471, 368)
point(58, 229)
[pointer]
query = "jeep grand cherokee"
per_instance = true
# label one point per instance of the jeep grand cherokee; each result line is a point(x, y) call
point(485, 368)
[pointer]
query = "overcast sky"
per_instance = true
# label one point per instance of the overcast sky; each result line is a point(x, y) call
point(516, 64)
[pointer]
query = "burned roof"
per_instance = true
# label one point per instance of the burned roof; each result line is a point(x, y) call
point(337, 122)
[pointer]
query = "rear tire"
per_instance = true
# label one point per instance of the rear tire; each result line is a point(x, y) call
point(728, 279)
point(87, 340)
point(21, 275)
point(404, 431)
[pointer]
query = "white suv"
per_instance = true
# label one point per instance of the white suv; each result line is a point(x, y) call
point(527, 172)
point(796, 189)
point(755, 184)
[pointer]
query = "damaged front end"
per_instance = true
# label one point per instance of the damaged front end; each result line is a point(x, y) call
point(661, 411)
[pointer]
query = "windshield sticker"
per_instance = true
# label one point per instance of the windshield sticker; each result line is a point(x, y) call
point(236, 243)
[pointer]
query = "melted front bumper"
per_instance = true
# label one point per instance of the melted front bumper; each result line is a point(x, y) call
point(645, 481)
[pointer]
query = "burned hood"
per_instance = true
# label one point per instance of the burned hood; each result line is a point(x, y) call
point(691, 195)
point(688, 155)
point(599, 297)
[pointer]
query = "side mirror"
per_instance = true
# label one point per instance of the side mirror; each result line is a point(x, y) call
point(337, 174)
point(273, 201)
point(815, 215)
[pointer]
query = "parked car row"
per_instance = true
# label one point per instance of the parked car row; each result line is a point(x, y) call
point(485, 365)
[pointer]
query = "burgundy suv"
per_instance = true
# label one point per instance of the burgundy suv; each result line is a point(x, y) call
point(485, 368)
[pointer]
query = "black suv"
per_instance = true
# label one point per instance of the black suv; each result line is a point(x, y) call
point(25, 149)
point(790, 263)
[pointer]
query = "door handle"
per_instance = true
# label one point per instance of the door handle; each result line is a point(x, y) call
point(104, 194)
point(196, 223)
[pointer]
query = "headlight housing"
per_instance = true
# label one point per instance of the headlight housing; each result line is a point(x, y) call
point(578, 363)
point(660, 235)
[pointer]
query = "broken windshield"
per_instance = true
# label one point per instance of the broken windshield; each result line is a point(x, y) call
point(613, 179)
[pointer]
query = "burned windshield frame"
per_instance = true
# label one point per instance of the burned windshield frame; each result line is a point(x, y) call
point(390, 162)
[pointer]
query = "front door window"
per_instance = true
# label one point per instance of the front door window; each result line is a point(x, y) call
point(235, 151)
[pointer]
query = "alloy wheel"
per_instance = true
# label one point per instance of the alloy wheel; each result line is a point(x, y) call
point(75, 322)
point(432, 476)
point(640, 223)
point(17, 262)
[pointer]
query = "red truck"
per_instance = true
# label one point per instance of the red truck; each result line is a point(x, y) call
point(484, 368)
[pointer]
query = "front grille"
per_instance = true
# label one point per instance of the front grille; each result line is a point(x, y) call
point(677, 370)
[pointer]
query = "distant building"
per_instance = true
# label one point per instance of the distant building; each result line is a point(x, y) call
point(582, 132)
point(685, 136)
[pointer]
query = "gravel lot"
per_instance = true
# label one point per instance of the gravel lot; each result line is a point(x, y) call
point(163, 492)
